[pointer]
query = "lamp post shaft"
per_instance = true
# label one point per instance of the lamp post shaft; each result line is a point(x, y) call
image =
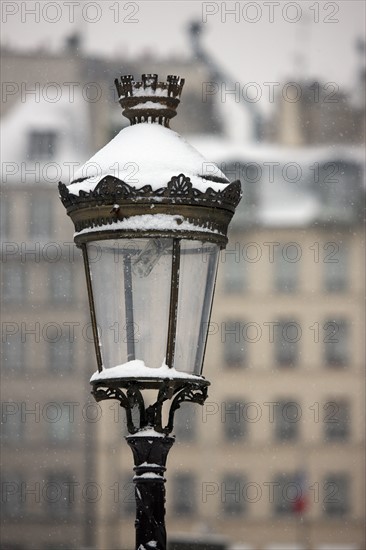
point(150, 455)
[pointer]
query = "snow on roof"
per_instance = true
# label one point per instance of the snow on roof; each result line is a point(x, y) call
point(223, 150)
point(283, 203)
point(69, 121)
point(280, 202)
point(147, 154)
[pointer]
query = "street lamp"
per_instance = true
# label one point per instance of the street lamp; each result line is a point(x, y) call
point(150, 216)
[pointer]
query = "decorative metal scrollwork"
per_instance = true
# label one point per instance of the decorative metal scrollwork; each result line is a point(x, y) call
point(178, 190)
point(185, 394)
point(151, 416)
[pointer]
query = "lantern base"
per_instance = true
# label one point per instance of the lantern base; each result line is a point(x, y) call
point(128, 392)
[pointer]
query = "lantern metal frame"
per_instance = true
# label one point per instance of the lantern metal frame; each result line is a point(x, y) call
point(96, 215)
point(104, 213)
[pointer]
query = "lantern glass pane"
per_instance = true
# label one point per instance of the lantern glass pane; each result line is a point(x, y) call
point(131, 281)
point(197, 275)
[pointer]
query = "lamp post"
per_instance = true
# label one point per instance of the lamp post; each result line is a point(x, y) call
point(150, 216)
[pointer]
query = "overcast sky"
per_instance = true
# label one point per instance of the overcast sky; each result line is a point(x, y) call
point(261, 41)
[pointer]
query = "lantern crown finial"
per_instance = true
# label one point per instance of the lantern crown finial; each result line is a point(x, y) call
point(149, 100)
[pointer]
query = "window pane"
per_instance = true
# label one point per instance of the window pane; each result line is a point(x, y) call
point(336, 495)
point(42, 145)
point(184, 494)
point(336, 342)
point(233, 267)
point(232, 338)
point(13, 352)
point(12, 426)
point(61, 282)
point(287, 335)
point(289, 492)
point(232, 419)
point(287, 416)
point(139, 271)
point(232, 497)
point(58, 423)
point(341, 191)
point(4, 217)
point(336, 421)
point(14, 282)
point(197, 275)
point(58, 497)
point(335, 267)
point(11, 502)
point(185, 422)
point(286, 268)
point(126, 497)
point(250, 174)
point(61, 353)
point(41, 217)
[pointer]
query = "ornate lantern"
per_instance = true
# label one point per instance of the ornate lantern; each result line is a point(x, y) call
point(150, 216)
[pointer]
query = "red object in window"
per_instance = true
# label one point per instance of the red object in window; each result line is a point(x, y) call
point(300, 505)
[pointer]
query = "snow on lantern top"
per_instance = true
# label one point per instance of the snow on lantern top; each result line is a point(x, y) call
point(149, 172)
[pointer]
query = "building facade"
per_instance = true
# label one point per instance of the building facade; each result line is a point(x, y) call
point(274, 458)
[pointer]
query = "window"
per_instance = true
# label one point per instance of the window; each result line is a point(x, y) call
point(287, 334)
point(232, 495)
point(41, 217)
point(61, 282)
point(336, 342)
point(185, 422)
point(184, 501)
point(59, 422)
point(12, 427)
point(341, 189)
point(58, 495)
point(234, 271)
point(336, 494)
point(42, 145)
point(287, 416)
point(336, 421)
point(288, 491)
point(126, 496)
point(4, 217)
point(14, 282)
point(12, 504)
point(231, 336)
point(250, 173)
point(61, 353)
point(13, 352)
point(232, 419)
point(335, 267)
point(286, 268)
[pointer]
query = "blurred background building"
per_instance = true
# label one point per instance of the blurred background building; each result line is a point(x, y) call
point(275, 457)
